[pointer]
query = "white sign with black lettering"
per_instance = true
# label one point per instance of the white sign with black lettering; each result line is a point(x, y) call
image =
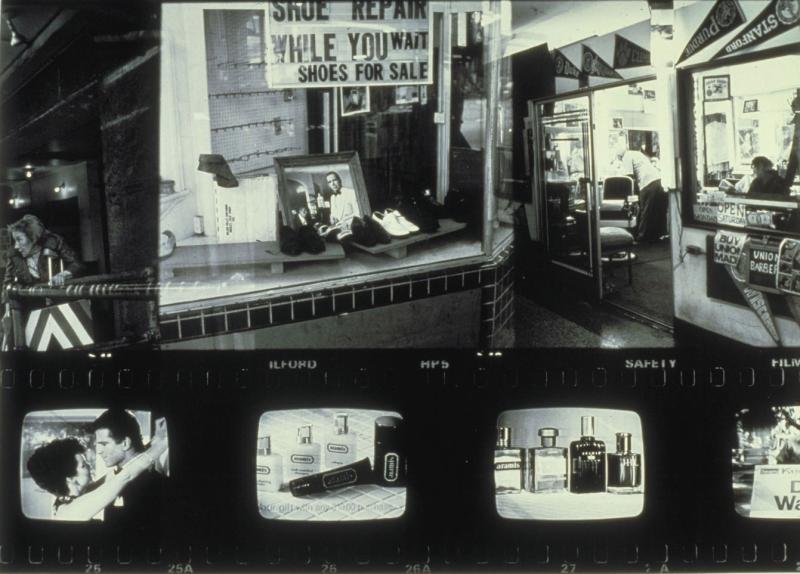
point(776, 491)
point(732, 214)
point(318, 43)
point(728, 247)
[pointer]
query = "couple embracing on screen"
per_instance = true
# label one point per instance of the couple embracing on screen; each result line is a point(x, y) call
point(128, 495)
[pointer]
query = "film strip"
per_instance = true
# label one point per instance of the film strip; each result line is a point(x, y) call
point(694, 447)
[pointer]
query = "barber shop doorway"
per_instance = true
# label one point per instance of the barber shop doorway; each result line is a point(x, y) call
point(605, 215)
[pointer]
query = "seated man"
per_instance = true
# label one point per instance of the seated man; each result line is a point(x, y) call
point(766, 180)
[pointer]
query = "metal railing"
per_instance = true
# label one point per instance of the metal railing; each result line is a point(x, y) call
point(127, 286)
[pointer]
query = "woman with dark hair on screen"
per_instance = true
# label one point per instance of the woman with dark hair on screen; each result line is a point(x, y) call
point(38, 256)
point(61, 468)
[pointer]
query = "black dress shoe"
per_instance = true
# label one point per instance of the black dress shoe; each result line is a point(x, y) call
point(419, 213)
point(310, 241)
point(362, 234)
point(288, 241)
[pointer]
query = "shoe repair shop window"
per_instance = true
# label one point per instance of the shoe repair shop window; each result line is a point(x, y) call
point(405, 154)
point(223, 127)
point(742, 145)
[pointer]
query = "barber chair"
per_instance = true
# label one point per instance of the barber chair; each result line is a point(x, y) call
point(620, 204)
point(618, 210)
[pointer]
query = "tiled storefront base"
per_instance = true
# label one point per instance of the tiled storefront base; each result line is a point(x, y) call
point(497, 308)
point(420, 303)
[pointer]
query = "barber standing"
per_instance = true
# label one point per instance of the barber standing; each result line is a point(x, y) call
point(652, 197)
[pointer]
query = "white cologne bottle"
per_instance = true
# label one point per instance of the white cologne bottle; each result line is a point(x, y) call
point(304, 459)
point(509, 464)
point(269, 467)
point(340, 448)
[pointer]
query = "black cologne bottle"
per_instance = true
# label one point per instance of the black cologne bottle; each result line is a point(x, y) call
point(390, 452)
point(587, 460)
point(624, 467)
point(509, 464)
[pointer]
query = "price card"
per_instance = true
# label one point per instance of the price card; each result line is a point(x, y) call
point(760, 218)
point(776, 491)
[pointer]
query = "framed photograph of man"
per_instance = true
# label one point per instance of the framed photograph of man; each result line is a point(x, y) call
point(355, 100)
point(322, 189)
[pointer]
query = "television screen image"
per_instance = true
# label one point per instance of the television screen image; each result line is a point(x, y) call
point(569, 464)
point(766, 462)
point(93, 464)
point(331, 465)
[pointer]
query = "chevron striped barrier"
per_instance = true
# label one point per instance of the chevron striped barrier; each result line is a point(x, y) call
point(65, 326)
point(69, 325)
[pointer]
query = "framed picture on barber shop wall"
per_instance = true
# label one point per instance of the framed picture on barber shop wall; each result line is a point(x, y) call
point(321, 189)
point(750, 106)
point(716, 88)
point(355, 100)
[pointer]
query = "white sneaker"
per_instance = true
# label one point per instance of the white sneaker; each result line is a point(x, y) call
point(405, 223)
point(390, 224)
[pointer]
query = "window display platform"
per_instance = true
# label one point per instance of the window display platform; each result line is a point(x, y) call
point(457, 288)
point(202, 258)
point(221, 288)
point(398, 248)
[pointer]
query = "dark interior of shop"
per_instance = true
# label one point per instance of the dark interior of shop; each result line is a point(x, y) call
point(77, 90)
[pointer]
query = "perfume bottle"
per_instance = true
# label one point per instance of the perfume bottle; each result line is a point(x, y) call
point(269, 467)
point(509, 464)
point(305, 456)
point(624, 467)
point(390, 452)
point(547, 464)
point(340, 448)
point(587, 460)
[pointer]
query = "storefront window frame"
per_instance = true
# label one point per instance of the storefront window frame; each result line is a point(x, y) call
point(686, 153)
point(596, 271)
point(488, 242)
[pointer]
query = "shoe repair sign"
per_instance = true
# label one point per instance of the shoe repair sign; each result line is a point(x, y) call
point(316, 44)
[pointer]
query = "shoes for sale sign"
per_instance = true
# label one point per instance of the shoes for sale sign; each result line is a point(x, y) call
point(317, 43)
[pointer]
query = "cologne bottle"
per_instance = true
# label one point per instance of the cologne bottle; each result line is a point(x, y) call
point(340, 448)
point(624, 467)
point(587, 460)
point(390, 452)
point(269, 467)
point(305, 456)
point(509, 464)
point(547, 464)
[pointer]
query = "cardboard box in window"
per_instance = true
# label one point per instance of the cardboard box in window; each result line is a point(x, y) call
point(247, 213)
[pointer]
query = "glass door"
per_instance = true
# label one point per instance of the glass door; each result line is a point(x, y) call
point(563, 155)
